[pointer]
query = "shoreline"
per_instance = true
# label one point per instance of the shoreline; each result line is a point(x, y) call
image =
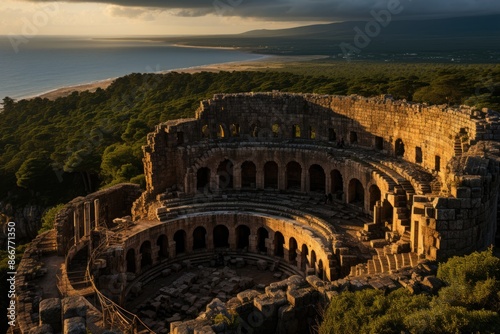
point(265, 62)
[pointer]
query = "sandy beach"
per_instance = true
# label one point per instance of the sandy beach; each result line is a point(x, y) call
point(264, 63)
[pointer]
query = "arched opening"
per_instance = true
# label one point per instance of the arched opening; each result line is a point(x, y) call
point(387, 212)
point(130, 258)
point(262, 236)
point(375, 195)
point(180, 242)
point(399, 148)
point(221, 237)
point(293, 176)
point(292, 251)
point(199, 238)
point(276, 130)
point(221, 133)
point(242, 237)
point(279, 240)
point(353, 137)
point(254, 130)
point(248, 174)
point(235, 130)
point(332, 136)
point(203, 178)
point(313, 260)
point(303, 258)
point(205, 132)
point(317, 178)
point(225, 174)
point(437, 163)
point(271, 175)
point(145, 250)
point(337, 184)
point(418, 155)
point(296, 131)
point(356, 193)
point(379, 143)
point(312, 133)
point(320, 273)
point(162, 243)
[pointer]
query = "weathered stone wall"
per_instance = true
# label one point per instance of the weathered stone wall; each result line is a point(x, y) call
point(114, 202)
point(429, 137)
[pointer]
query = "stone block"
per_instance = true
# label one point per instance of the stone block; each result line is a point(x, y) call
point(445, 214)
point(50, 311)
point(299, 297)
point(74, 306)
point(176, 267)
point(433, 283)
point(247, 295)
point(461, 192)
point(166, 272)
point(75, 325)
point(378, 243)
point(262, 265)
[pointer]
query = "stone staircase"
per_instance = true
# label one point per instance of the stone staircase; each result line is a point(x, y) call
point(48, 244)
point(385, 262)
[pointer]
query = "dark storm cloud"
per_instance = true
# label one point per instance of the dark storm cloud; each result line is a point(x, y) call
point(310, 10)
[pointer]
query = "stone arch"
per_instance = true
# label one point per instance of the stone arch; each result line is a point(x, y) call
point(337, 183)
point(203, 178)
point(296, 131)
point(221, 132)
point(356, 193)
point(180, 242)
point(225, 174)
point(199, 238)
point(276, 129)
point(162, 243)
point(292, 251)
point(180, 138)
point(271, 175)
point(279, 241)
point(293, 176)
point(375, 195)
point(387, 214)
point(320, 272)
point(262, 236)
point(399, 148)
point(242, 237)
point(235, 130)
point(313, 260)
point(317, 179)
point(248, 174)
point(130, 258)
point(221, 236)
point(304, 253)
point(145, 250)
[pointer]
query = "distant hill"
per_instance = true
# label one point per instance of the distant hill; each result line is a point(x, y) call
point(466, 39)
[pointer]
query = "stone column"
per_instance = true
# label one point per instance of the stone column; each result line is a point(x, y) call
point(259, 178)
point(237, 177)
point(377, 213)
point(86, 218)
point(281, 177)
point(299, 258)
point(96, 213)
point(232, 238)
point(76, 226)
point(154, 255)
point(171, 249)
point(210, 239)
point(304, 181)
point(138, 260)
point(328, 180)
point(252, 243)
point(189, 242)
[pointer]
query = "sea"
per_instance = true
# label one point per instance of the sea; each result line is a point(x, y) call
point(44, 64)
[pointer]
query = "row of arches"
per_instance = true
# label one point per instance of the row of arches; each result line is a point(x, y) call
point(291, 253)
point(276, 130)
point(294, 180)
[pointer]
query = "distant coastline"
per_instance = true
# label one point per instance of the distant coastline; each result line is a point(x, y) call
point(263, 63)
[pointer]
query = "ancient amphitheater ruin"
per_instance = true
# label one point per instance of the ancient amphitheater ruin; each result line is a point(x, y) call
point(263, 206)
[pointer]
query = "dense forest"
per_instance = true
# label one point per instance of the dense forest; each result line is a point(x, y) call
point(52, 151)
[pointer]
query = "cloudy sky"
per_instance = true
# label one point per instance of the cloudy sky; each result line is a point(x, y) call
point(181, 17)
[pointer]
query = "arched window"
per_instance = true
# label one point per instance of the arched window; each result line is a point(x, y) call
point(130, 257)
point(248, 174)
point(375, 195)
point(242, 237)
point(304, 254)
point(399, 148)
point(202, 178)
point(296, 131)
point(337, 184)
point(162, 243)
point(317, 178)
point(225, 174)
point(254, 130)
point(332, 136)
point(356, 193)
point(312, 133)
point(199, 238)
point(276, 130)
point(262, 236)
point(293, 176)
point(271, 175)
point(279, 240)
point(221, 133)
point(235, 130)
point(221, 237)
point(180, 242)
point(205, 132)
point(292, 252)
point(146, 259)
